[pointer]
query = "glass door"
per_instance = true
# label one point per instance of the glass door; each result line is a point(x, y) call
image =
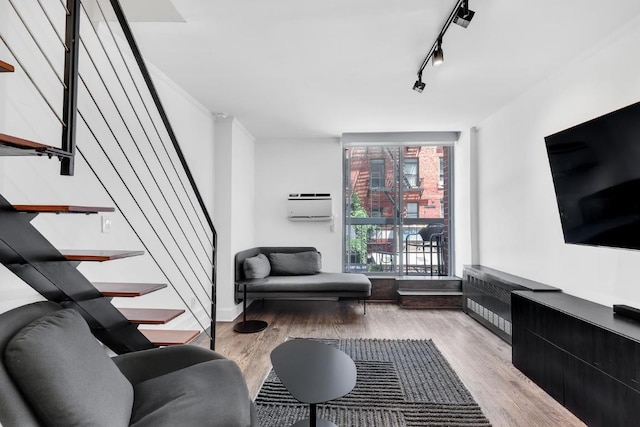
point(396, 210)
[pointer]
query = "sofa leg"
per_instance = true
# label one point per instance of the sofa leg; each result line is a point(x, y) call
point(364, 305)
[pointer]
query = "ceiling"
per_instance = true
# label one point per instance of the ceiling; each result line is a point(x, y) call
point(318, 68)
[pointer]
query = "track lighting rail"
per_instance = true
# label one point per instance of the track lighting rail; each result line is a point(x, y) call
point(461, 15)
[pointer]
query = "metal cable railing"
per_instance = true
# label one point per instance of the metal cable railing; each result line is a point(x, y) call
point(133, 141)
point(157, 131)
point(135, 112)
point(32, 80)
point(133, 149)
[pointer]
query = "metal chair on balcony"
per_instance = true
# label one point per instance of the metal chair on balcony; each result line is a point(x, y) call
point(428, 241)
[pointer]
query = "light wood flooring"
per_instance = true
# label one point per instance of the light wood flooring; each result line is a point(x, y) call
point(481, 360)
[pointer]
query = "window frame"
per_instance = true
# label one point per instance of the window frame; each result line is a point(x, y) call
point(417, 209)
point(379, 162)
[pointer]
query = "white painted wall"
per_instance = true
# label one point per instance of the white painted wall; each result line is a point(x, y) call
point(520, 230)
point(285, 166)
point(465, 208)
point(194, 126)
point(234, 208)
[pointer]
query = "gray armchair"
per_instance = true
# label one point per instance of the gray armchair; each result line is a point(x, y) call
point(54, 372)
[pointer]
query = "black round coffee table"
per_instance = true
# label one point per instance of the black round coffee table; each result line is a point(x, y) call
point(313, 373)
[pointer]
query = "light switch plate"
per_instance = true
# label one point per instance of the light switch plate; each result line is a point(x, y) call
point(106, 224)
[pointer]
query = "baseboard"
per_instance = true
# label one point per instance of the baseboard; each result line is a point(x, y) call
point(228, 314)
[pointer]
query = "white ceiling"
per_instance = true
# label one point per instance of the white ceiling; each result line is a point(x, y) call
point(316, 68)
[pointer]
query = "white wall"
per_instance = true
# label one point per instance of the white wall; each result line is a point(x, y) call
point(465, 201)
point(520, 230)
point(194, 127)
point(234, 209)
point(285, 166)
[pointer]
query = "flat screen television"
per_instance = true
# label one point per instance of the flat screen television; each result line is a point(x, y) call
point(595, 168)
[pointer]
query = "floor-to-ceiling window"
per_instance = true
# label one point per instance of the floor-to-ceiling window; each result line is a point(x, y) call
point(397, 212)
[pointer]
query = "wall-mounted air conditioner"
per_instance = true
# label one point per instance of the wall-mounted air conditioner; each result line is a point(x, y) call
point(309, 207)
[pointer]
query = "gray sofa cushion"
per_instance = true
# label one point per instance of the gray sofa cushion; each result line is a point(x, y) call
point(211, 393)
point(256, 267)
point(321, 282)
point(66, 375)
point(293, 264)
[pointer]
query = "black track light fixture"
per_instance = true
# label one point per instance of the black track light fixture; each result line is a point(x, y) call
point(419, 85)
point(461, 15)
point(464, 15)
point(438, 55)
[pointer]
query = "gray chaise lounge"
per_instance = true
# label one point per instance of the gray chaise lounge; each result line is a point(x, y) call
point(54, 373)
point(319, 285)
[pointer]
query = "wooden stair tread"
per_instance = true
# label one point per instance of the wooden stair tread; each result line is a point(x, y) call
point(150, 316)
point(6, 67)
point(97, 255)
point(61, 209)
point(169, 337)
point(128, 290)
point(13, 146)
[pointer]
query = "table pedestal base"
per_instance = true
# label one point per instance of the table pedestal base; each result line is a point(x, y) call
point(313, 420)
point(250, 326)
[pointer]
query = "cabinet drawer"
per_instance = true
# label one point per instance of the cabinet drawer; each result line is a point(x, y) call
point(539, 360)
point(597, 398)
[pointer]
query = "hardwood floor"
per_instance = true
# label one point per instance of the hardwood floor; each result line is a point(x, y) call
point(482, 360)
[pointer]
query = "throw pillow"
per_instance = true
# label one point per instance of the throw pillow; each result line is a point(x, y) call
point(256, 267)
point(293, 264)
point(66, 375)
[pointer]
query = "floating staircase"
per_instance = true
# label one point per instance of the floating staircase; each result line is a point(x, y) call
point(6, 68)
point(90, 255)
point(58, 209)
point(162, 337)
point(127, 290)
point(150, 316)
point(52, 272)
point(13, 146)
point(429, 292)
point(147, 316)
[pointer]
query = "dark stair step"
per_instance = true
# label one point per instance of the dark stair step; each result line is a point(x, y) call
point(6, 68)
point(430, 299)
point(427, 283)
point(30, 256)
point(169, 337)
point(13, 146)
point(61, 209)
point(127, 290)
point(150, 316)
point(97, 255)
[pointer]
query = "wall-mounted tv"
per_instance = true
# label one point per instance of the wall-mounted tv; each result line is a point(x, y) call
point(596, 174)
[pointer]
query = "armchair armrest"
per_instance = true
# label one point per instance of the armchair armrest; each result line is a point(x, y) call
point(146, 364)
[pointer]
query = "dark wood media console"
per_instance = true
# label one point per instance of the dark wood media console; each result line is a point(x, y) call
point(579, 352)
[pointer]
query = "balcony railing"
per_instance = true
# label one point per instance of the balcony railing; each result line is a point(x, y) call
point(393, 248)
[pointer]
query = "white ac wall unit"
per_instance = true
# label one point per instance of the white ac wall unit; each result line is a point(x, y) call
point(309, 207)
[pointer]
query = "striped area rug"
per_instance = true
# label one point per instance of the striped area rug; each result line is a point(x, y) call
point(401, 383)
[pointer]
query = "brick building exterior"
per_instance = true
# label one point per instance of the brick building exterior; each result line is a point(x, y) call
point(374, 174)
